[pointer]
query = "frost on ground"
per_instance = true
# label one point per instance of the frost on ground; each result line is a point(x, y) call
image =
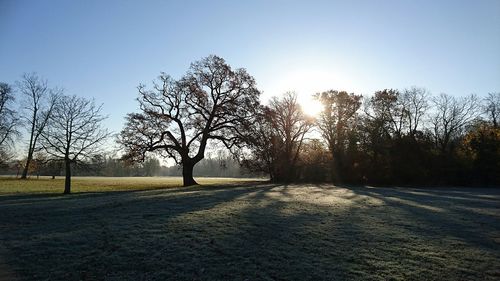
point(254, 232)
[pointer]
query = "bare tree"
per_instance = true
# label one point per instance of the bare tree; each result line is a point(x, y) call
point(38, 104)
point(261, 152)
point(450, 117)
point(290, 125)
point(415, 104)
point(9, 120)
point(492, 108)
point(400, 113)
point(178, 118)
point(74, 133)
point(277, 138)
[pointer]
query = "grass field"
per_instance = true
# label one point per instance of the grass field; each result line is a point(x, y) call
point(253, 231)
point(10, 185)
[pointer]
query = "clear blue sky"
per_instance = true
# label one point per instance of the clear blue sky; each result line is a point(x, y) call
point(104, 49)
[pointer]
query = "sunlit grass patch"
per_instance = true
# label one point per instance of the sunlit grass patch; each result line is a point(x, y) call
point(9, 185)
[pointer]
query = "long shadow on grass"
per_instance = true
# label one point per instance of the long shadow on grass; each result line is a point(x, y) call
point(77, 237)
point(466, 217)
point(373, 237)
point(263, 232)
point(435, 234)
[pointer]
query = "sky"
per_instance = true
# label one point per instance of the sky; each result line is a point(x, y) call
point(105, 49)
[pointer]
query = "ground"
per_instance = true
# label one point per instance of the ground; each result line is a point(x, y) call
point(10, 185)
point(253, 231)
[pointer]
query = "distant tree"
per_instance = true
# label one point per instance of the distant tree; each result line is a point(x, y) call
point(38, 104)
point(151, 166)
point(492, 108)
point(178, 118)
point(38, 163)
point(450, 117)
point(74, 133)
point(113, 167)
point(336, 122)
point(9, 121)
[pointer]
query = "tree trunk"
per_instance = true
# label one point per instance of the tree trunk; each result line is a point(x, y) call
point(31, 147)
point(187, 173)
point(336, 165)
point(67, 179)
point(24, 175)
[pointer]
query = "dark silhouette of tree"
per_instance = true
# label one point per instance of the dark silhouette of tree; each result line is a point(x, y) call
point(336, 122)
point(398, 113)
point(375, 141)
point(415, 106)
point(383, 123)
point(9, 121)
point(391, 135)
point(262, 145)
point(450, 118)
point(38, 104)
point(388, 111)
point(178, 118)
point(315, 161)
point(277, 138)
point(290, 126)
point(399, 147)
point(74, 133)
point(482, 152)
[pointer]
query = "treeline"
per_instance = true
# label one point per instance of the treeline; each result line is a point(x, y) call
point(106, 166)
point(392, 137)
point(402, 137)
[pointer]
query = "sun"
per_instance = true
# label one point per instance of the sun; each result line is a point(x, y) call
point(305, 83)
point(310, 106)
point(306, 79)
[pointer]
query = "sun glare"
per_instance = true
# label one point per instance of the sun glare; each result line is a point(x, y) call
point(306, 82)
point(310, 106)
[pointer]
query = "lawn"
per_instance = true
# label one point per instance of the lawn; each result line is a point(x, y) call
point(253, 231)
point(45, 184)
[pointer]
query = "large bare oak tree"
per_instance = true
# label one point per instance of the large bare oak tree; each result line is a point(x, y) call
point(179, 117)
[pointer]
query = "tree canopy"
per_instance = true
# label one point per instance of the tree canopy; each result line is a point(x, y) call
point(74, 133)
point(211, 102)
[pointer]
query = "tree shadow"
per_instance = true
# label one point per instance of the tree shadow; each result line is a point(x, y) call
point(33, 227)
point(436, 213)
point(264, 232)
